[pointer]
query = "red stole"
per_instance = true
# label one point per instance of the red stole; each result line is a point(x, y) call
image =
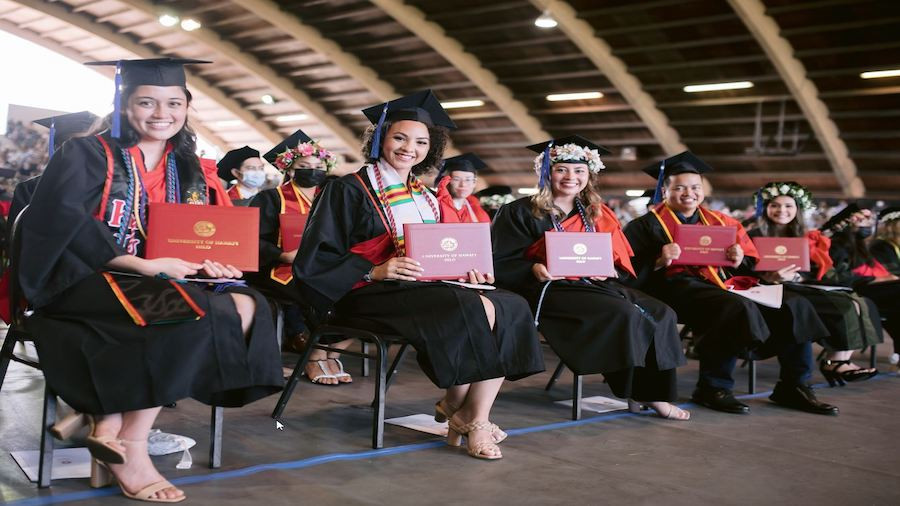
point(292, 201)
point(606, 221)
point(818, 252)
point(876, 270)
point(234, 193)
point(449, 212)
point(668, 220)
point(378, 249)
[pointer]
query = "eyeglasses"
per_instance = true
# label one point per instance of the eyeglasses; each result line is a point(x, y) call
point(467, 180)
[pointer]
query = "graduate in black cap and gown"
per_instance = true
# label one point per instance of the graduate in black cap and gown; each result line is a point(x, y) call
point(886, 245)
point(594, 325)
point(352, 260)
point(119, 346)
point(725, 324)
point(245, 166)
point(305, 164)
point(455, 184)
point(62, 128)
point(856, 267)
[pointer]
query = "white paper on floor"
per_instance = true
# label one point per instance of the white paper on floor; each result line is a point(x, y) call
point(598, 404)
point(421, 423)
point(67, 463)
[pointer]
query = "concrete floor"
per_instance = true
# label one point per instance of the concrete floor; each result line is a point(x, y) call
point(772, 456)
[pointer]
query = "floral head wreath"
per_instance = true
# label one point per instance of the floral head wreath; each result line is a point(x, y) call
point(283, 161)
point(571, 153)
point(796, 191)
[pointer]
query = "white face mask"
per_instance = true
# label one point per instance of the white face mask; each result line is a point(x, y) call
point(253, 179)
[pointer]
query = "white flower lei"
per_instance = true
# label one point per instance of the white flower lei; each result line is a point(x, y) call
point(793, 190)
point(571, 153)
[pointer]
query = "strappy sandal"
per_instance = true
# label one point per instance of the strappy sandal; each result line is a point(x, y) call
point(68, 425)
point(829, 369)
point(325, 375)
point(674, 412)
point(456, 432)
point(100, 446)
point(341, 373)
point(442, 413)
point(101, 476)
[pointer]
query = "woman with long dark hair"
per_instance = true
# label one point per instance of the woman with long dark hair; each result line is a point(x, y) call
point(352, 260)
point(594, 325)
point(853, 322)
point(118, 336)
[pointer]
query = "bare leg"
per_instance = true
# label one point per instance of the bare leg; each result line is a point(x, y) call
point(333, 365)
point(477, 408)
point(246, 307)
point(139, 471)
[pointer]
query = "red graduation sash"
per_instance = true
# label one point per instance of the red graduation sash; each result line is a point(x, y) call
point(668, 220)
point(449, 212)
point(378, 249)
point(292, 201)
point(606, 221)
point(818, 252)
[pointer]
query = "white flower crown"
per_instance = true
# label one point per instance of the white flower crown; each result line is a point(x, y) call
point(571, 153)
point(789, 189)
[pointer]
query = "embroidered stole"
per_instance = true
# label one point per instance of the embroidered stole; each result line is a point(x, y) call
point(292, 201)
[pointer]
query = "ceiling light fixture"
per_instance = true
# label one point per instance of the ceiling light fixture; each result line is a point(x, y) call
point(267, 99)
point(287, 118)
point(583, 95)
point(189, 25)
point(458, 104)
point(737, 85)
point(168, 20)
point(545, 20)
point(877, 74)
point(226, 123)
point(634, 193)
point(527, 191)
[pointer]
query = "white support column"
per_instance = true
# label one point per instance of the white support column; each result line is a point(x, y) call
point(804, 91)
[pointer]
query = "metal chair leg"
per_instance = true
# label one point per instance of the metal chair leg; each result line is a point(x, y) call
point(279, 323)
point(364, 348)
point(380, 384)
point(555, 376)
point(9, 343)
point(576, 396)
point(45, 466)
point(392, 372)
point(295, 376)
point(751, 376)
point(215, 437)
point(873, 356)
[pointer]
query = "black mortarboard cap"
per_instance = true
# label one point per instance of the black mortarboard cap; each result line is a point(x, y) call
point(64, 126)
point(561, 141)
point(233, 160)
point(421, 106)
point(289, 142)
point(844, 214)
point(678, 164)
point(151, 72)
point(889, 214)
point(467, 162)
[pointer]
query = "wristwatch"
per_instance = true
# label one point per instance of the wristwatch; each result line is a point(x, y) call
point(367, 277)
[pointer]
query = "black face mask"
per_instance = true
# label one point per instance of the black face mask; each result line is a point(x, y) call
point(308, 178)
point(863, 232)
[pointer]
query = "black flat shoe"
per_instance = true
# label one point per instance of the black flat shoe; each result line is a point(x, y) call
point(719, 399)
point(801, 397)
point(829, 369)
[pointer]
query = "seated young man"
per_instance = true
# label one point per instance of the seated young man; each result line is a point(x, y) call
point(725, 324)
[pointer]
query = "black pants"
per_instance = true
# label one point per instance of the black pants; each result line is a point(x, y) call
point(795, 359)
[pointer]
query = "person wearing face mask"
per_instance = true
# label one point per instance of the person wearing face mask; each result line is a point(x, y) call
point(455, 184)
point(305, 165)
point(724, 323)
point(853, 322)
point(855, 265)
point(245, 165)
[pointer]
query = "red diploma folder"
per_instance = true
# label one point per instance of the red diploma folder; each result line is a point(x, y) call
point(778, 252)
point(579, 254)
point(228, 235)
point(292, 226)
point(449, 250)
point(704, 245)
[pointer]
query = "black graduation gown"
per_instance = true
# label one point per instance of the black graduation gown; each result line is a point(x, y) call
point(722, 322)
point(22, 196)
point(886, 295)
point(853, 322)
point(883, 251)
point(446, 324)
point(597, 327)
point(269, 206)
point(93, 355)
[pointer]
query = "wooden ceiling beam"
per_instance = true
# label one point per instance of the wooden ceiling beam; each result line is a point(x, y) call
point(779, 50)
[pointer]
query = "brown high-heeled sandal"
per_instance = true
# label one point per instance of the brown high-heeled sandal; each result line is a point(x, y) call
point(68, 425)
point(442, 413)
point(456, 432)
point(101, 447)
point(101, 476)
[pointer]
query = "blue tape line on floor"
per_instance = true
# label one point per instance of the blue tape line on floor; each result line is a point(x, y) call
point(336, 457)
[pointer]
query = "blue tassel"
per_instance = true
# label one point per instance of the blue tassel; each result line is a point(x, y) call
point(52, 139)
point(376, 139)
point(657, 195)
point(759, 204)
point(116, 127)
point(545, 167)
